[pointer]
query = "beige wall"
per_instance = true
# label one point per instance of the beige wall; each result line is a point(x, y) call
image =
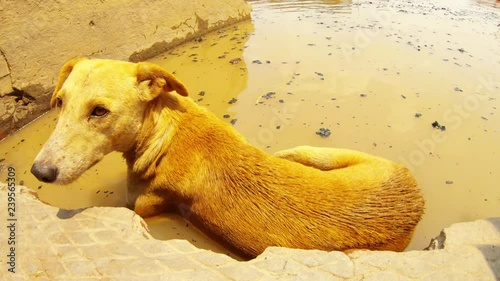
point(38, 37)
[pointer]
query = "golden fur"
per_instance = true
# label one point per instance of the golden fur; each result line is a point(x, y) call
point(181, 156)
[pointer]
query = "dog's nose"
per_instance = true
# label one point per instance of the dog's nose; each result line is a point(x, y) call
point(44, 172)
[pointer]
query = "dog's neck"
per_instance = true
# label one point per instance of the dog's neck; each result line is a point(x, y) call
point(160, 124)
point(186, 146)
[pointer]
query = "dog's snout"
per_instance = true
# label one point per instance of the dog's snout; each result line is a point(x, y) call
point(44, 172)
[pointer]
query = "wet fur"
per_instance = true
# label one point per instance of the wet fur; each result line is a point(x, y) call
point(182, 158)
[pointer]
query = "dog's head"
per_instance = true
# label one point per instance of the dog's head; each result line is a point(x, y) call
point(101, 107)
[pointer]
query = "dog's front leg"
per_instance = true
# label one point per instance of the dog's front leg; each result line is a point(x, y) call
point(140, 199)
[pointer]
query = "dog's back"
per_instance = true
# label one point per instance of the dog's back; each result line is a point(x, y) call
point(313, 198)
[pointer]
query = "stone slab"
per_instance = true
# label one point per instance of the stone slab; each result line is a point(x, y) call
point(102, 243)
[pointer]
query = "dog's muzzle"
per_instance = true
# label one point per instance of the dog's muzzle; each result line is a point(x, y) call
point(44, 172)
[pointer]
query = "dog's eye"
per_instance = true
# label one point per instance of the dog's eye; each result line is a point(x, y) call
point(99, 112)
point(59, 102)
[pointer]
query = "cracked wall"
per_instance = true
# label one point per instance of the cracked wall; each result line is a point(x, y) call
point(38, 38)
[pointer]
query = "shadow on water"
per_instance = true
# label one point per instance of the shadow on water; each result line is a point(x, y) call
point(68, 214)
point(212, 67)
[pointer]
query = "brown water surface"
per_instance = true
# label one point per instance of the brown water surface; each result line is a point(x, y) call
point(376, 74)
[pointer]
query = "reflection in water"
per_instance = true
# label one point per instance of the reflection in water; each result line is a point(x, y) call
point(377, 78)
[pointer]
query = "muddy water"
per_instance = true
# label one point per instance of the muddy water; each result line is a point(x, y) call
point(376, 75)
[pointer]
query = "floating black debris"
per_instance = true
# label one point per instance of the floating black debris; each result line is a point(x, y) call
point(235, 61)
point(269, 95)
point(363, 95)
point(324, 132)
point(457, 89)
point(233, 121)
point(436, 125)
point(449, 182)
point(257, 62)
point(233, 100)
point(202, 93)
point(226, 116)
point(418, 115)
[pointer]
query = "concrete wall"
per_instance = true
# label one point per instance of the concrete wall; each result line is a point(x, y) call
point(38, 37)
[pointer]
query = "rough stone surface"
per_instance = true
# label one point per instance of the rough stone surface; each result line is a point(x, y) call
point(5, 80)
point(5, 85)
point(39, 37)
point(4, 67)
point(114, 244)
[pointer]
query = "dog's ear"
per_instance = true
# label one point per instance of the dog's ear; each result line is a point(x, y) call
point(158, 80)
point(63, 75)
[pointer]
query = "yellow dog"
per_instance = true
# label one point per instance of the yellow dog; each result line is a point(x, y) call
point(181, 156)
